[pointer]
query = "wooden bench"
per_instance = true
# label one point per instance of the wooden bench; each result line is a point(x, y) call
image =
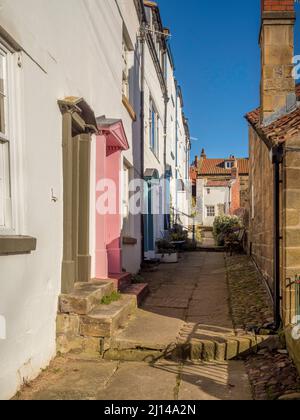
point(234, 241)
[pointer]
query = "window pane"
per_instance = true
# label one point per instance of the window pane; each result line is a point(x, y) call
point(2, 91)
point(5, 195)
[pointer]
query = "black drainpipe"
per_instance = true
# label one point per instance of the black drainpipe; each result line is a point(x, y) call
point(277, 160)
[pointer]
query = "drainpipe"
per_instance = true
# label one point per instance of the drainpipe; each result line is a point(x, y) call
point(142, 116)
point(166, 199)
point(176, 153)
point(277, 154)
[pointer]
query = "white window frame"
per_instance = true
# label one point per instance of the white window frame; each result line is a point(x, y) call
point(127, 216)
point(209, 212)
point(125, 71)
point(154, 133)
point(228, 165)
point(5, 146)
point(14, 217)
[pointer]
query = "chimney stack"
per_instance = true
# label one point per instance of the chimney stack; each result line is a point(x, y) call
point(203, 154)
point(235, 169)
point(277, 51)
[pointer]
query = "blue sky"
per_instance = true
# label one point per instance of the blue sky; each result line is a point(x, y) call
point(217, 59)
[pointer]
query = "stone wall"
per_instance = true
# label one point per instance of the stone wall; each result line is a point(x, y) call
point(244, 191)
point(261, 206)
point(291, 231)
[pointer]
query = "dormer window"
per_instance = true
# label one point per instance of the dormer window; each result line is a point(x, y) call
point(228, 164)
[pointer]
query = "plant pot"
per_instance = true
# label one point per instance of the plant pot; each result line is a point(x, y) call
point(168, 258)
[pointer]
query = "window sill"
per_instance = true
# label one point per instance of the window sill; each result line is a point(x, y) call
point(14, 245)
point(129, 108)
point(129, 241)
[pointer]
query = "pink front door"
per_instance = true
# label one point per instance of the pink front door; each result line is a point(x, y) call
point(110, 143)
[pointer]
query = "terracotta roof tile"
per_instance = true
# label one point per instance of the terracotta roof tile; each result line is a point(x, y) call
point(217, 167)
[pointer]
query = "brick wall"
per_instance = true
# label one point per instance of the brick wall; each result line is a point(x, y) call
point(278, 5)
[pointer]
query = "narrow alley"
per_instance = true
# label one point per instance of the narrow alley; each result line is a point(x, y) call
point(188, 304)
point(150, 237)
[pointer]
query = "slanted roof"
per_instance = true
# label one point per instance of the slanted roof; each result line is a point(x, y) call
point(114, 131)
point(280, 130)
point(217, 167)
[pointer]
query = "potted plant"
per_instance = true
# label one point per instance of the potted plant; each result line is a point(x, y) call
point(166, 252)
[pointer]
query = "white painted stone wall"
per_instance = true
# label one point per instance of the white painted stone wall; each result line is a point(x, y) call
point(217, 196)
point(72, 48)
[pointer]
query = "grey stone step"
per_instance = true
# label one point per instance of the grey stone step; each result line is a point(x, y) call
point(91, 334)
point(105, 320)
point(85, 297)
point(150, 337)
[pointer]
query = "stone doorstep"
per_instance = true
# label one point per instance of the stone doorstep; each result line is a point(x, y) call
point(85, 297)
point(105, 320)
point(120, 281)
point(140, 291)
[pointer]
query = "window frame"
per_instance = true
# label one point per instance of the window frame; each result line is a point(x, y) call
point(6, 226)
point(125, 69)
point(228, 165)
point(208, 213)
point(127, 222)
point(154, 129)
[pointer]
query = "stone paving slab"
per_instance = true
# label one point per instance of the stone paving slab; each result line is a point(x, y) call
point(149, 330)
point(138, 381)
point(215, 381)
point(70, 379)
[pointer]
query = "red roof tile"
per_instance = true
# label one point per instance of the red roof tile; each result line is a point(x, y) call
point(217, 167)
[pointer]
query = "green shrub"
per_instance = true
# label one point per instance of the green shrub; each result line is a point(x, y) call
point(113, 297)
point(223, 226)
point(165, 247)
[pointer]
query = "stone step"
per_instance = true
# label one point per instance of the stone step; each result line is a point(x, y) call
point(140, 291)
point(85, 297)
point(120, 281)
point(194, 351)
point(91, 334)
point(105, 320)
point(151, 336)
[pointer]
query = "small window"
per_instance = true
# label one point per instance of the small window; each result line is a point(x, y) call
point(210, 211)
point(228, 165)
point(208, 191)
point(5, 182)
point(126, 200)
point(125, 74)
point(154, 127)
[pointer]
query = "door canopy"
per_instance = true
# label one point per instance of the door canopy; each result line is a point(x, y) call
point(114, 132)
